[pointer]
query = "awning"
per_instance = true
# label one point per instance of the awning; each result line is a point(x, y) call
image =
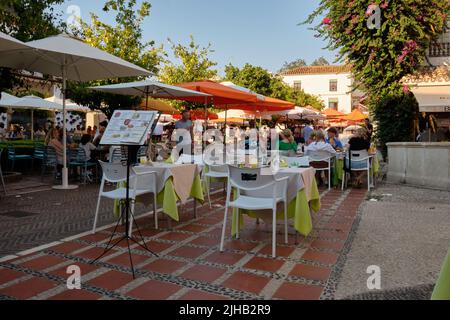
point(433, 98)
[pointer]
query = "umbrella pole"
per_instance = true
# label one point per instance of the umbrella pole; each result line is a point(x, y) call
point(32, 124)
point(206, 124)
point(65, 171)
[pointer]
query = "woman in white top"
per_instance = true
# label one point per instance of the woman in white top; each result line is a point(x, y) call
point(87, 146)
point(319, 145)
point(322, 150)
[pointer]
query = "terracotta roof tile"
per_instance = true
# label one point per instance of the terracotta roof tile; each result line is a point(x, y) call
point(429, 74)
point(317, 70)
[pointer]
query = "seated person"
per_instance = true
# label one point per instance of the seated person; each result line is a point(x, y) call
point(56, 143)
point(88, 147)
point(333, 139)
point(360, 141)
point(287, 142)
point(39, 134)
point(298, 135)
point(321, 149)
point(319, 145)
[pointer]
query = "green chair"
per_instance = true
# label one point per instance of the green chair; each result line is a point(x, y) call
point(77, 158)
point(49, 161)
point(1, 173)
point(39, 152)
point(13, 156)
point(442, 288)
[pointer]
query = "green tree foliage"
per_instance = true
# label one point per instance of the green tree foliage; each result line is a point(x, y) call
point(320, 62)
point(391, 111)
point(382, 56)
point(124, 39)
point(293, 64)
point(27, 20)
point(261, 81)
point(194, 65)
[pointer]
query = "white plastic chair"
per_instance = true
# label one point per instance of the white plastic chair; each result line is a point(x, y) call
point(140, 184)
point(322, 156)
point(360, 157)
point(144, 182)
point(214, 171)
point(270, 190)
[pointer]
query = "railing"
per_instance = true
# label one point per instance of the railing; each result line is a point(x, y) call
point(439, 50)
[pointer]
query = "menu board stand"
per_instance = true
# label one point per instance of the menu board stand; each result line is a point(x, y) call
point(132, 150)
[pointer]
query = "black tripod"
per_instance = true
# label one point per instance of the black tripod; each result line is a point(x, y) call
point(126, 213)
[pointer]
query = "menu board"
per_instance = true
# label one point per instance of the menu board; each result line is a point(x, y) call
point(129, 127)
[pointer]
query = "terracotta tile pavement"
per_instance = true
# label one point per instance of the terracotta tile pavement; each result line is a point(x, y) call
point(195, 266)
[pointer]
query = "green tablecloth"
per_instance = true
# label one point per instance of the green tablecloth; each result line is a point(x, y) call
point(298, 209)
point(168, 198)
point(338, 170)
point(442, 288)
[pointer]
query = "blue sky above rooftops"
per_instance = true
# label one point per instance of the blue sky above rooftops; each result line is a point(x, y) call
point(260, 32)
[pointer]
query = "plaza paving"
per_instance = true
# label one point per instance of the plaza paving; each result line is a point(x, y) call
point(405, 232)
point(189, 265)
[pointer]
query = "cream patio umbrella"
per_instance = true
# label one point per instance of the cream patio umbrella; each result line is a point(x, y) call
point(152, 89)
point(35, 103)
point(9, 43)
point(71, 59)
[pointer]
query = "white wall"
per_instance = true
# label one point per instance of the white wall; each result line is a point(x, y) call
point(319, 85)
point(421, 164)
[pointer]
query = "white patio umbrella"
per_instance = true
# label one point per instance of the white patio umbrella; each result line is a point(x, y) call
point(35, 103)
point(70, 105)
point(298, 113)
point(70, 59)
point(9, 43)
point(237, 87)
point(8, 100)
point(152, 89)
point(149, 88)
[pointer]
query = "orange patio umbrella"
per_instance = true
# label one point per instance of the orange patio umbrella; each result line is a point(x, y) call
point(331, 113)
point(230, 120)
point(268, 104)
point(219, 94)
point(355, 116)
point(199, 115)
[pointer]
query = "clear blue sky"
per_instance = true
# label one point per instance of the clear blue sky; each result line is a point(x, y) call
point(260, 32)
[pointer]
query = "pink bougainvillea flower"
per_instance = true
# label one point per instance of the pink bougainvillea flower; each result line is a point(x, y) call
point(326, 20)
point(384, 5)
point(406, 89)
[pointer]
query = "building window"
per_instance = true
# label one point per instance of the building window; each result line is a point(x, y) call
point(333, 103)
point(297, 85)
point(333, 85)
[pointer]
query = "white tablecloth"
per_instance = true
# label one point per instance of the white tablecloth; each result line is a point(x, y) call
point(183, 176)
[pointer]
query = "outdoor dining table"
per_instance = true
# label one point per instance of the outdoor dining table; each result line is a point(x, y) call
point(174, 182)
point(303, 196)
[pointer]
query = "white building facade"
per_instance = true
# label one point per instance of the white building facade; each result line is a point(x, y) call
point(332, 84)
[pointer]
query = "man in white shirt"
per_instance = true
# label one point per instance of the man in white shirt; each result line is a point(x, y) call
point(158, 132)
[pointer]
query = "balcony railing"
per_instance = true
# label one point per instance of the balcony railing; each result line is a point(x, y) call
point(439, 50)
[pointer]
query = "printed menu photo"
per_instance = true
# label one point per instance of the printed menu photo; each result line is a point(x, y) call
point(129, 127)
